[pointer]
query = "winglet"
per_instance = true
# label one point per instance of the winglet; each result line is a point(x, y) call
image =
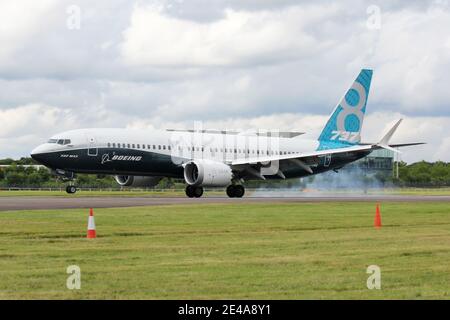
point(384, 142)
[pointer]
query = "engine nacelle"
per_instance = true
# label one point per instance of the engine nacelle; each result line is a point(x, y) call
point(137, 181)
point(207, 173)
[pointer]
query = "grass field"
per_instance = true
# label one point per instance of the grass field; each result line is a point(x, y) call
point(261, 251)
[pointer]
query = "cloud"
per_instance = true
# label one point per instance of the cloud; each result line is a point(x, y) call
point(239, 38)
point(20, 23)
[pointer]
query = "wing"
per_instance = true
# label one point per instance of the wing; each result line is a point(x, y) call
point(251, 166)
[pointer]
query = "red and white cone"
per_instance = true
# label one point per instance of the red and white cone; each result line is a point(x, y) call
point(91, 225)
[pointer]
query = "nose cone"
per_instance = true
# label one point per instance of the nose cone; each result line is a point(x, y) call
point(38, 153)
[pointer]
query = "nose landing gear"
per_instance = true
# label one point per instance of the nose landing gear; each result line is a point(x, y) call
point(71, 189)
point(235, 191)
point(194, 192)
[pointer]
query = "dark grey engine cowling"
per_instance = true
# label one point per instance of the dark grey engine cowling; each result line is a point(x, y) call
point(137, 181)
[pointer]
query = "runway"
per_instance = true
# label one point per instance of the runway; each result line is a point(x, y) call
point(38, 202)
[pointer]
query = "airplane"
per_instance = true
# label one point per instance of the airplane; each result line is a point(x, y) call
point(215, 158)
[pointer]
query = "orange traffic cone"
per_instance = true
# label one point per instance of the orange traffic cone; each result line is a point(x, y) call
point(377, 223)
point(91, 225)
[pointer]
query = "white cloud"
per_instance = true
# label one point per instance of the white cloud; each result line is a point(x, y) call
point(412, 59)
point(240, 37)
point(32, 118)
point(19, 23)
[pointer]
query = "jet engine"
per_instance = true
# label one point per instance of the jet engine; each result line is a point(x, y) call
point(137, 181)
point(207, 173)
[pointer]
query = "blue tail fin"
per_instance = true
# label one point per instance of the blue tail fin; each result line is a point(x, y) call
point(344, 125)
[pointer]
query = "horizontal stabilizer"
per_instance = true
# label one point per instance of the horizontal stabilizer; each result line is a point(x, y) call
point(399, 145)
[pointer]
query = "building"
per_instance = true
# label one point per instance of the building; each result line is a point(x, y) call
point(379, 161)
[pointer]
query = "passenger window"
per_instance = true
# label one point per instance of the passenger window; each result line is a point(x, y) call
point(168, 147)
point(164, 147)
point(109, 144)
point(60, 141)
point(159, 146)
point(133, 146)
point(138, 146)
point(143, 146)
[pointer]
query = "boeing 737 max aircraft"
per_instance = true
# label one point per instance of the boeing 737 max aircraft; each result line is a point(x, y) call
point(211, 158)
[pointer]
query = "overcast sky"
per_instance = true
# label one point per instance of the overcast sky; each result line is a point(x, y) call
point(273, 64)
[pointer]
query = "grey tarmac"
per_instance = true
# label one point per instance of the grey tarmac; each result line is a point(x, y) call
point(38, 202)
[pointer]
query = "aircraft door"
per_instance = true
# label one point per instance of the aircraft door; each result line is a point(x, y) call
point(92, 147)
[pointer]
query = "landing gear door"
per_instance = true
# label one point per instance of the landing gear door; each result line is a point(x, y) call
point(92, 146)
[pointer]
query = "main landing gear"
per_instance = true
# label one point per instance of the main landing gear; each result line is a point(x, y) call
point(194, 192)
point(71, 189)
point(235, 191)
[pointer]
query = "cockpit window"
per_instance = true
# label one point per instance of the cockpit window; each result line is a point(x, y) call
point(59, 141)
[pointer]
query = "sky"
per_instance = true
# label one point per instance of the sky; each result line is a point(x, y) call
point(232, 64)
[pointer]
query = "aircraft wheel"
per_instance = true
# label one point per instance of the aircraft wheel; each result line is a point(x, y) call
point(198, 192)
point(190, 191)
point(230, 191)
point(71, 189)
point(239, 191)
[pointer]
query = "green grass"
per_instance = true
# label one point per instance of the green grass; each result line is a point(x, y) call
point(257, 251)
